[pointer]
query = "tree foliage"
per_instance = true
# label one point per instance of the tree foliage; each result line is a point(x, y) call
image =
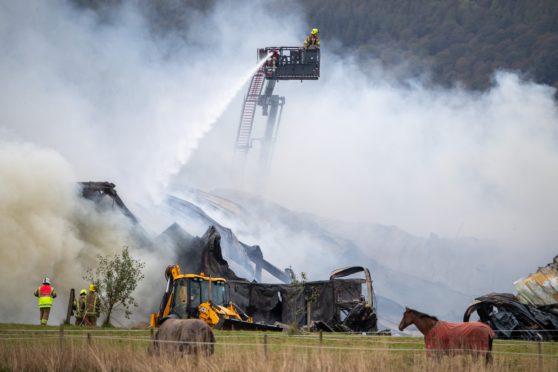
point(116, 277)
point(461, 41)
point(310, 295)
point(457, 40)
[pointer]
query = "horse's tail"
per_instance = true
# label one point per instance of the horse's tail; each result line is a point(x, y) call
point(153, 347)
point(212, 340)
point(489, 351)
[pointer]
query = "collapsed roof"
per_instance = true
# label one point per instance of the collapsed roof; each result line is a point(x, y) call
point(246, 258)
point(540, 288)
point(96, 191)
point(249, 257)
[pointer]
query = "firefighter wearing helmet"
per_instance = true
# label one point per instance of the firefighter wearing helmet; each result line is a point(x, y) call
point(79, 308)
point(46, 295)
point(313, 40)
point(92, 306)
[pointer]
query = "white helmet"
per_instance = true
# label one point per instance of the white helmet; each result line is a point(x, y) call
point(46, 281)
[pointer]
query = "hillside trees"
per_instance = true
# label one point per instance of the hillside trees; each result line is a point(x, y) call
point(458, 40)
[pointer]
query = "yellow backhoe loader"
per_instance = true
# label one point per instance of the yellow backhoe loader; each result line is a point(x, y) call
point(205, 298)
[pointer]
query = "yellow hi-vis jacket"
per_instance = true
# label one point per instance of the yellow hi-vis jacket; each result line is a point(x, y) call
point(45, 293)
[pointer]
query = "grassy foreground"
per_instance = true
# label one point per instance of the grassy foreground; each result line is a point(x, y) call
point(24, 348)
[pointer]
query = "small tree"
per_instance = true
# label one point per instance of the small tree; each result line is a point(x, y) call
point(310, 296)
point(116, 277)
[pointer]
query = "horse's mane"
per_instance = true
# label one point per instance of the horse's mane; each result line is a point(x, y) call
point(422, 315)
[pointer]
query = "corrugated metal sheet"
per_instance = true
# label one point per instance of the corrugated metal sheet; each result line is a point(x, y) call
point(540, 288)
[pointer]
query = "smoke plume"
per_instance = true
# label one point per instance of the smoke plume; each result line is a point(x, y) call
point(147, 98)
point(104, 95)
point(46, 230)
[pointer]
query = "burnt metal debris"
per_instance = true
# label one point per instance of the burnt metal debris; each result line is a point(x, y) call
point(315, 304)
point(511, 319)
point(531, 315)
point(96, 191)
point(247, 256)
point(541, 287)
point(338, 304)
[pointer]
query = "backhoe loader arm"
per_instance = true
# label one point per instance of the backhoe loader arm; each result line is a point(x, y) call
point(171, 273)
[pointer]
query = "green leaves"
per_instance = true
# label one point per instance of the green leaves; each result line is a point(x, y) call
point(116, 277)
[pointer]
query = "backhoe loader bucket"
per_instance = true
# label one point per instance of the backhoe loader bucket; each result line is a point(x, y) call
point(240, 325)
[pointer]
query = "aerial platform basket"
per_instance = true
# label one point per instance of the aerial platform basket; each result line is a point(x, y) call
point(291, 63)
point(283, 63)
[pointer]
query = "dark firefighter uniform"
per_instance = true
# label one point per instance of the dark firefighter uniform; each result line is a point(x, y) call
point(79, 307)
point(92, 306)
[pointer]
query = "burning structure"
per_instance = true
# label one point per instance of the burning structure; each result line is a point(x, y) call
point(337, 304)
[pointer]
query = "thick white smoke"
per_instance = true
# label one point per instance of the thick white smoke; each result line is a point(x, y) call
point(117, 103)
point(359, 147)
point(444, 161)
point(121, 103)
point(447, 161)
point(47, 230)
point(114, 102)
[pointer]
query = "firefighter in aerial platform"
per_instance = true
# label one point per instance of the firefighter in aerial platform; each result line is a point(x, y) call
point(313, 40)
point(272, 62)
point(46, 294)
point(79, 307)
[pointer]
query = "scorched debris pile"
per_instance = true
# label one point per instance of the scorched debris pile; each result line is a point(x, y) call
point(531, 315)
point(332, 305)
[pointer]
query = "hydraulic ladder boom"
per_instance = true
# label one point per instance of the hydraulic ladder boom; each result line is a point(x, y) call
point(283, 63)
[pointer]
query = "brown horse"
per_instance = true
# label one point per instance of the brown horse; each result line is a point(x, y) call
point(442, 337)
point(191, 336)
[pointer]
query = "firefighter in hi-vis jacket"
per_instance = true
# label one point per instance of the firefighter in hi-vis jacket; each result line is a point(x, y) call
point(46, 294)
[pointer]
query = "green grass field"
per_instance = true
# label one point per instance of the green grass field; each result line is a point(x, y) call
point(28, 347)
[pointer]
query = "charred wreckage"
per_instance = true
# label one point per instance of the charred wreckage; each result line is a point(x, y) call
point(339, 304)
point(532, 314)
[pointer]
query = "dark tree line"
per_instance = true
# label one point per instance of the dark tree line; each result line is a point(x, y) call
point(458, 40)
